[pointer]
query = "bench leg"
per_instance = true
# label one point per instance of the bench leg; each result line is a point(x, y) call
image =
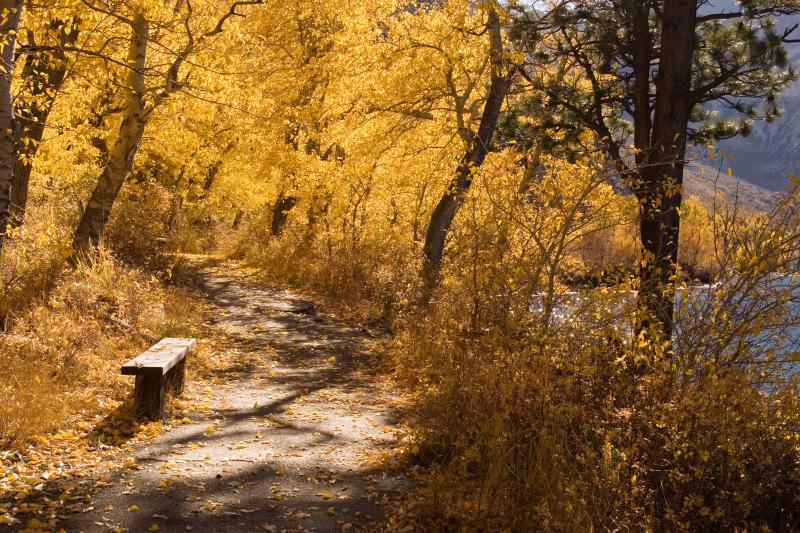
point(174, 381)
point(180, 372)
point(149, 396)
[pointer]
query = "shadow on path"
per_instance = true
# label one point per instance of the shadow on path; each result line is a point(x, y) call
point(285, 442)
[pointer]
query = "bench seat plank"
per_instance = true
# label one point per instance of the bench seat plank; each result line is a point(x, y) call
point(160, 358)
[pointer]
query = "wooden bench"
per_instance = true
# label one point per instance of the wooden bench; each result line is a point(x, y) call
point(160, 368)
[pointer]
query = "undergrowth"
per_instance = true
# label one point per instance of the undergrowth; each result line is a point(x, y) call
point(61, 356)
point(535, 409)
point(371, 279)
point(68, 330)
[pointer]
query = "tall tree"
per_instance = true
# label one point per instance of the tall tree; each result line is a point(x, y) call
point(477, 143)
point(314, 38)
point(10, 13)
point(42, 76)
point(120, 157)
point(659, 184)
point(668, 74)
point(140, 101)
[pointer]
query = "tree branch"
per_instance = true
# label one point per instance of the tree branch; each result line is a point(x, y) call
point(232, 13)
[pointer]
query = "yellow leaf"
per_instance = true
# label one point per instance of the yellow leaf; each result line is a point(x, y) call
point(153, 527)
point(133, 508)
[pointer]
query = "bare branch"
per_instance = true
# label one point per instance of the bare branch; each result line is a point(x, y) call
point(232, 13)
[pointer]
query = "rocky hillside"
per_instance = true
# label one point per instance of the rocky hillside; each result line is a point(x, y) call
point(704, 180)
point(772, 152)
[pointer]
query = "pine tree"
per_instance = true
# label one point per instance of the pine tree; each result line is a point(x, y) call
point(651, 79)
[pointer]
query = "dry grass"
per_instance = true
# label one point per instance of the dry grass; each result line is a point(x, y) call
point(371, 280)
point(60, 355)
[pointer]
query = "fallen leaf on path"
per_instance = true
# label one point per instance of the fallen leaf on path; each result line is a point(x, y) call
point(208, 505)
point(35, 523)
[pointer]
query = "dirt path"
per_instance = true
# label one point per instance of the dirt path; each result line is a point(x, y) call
point(285, 442)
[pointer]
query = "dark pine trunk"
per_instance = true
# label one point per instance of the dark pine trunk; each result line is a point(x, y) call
point(662, 180)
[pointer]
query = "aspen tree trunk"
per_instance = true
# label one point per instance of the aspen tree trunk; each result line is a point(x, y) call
point(173, 222)
point(445, 211)
point(120, 157)
point(237, 219)
point(44, 74)
point(10, 10)
point(661, 181)
point(215, 169)
point(280, 214)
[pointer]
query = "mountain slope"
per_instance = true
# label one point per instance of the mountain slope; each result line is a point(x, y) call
point(771, 153)
point(705, 180)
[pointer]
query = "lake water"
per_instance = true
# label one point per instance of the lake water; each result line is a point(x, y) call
point(749, 322)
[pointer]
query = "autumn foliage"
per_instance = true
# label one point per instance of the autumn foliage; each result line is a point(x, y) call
point(320, 142)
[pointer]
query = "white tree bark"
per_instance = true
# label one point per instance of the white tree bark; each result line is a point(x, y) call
point(120, 157)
